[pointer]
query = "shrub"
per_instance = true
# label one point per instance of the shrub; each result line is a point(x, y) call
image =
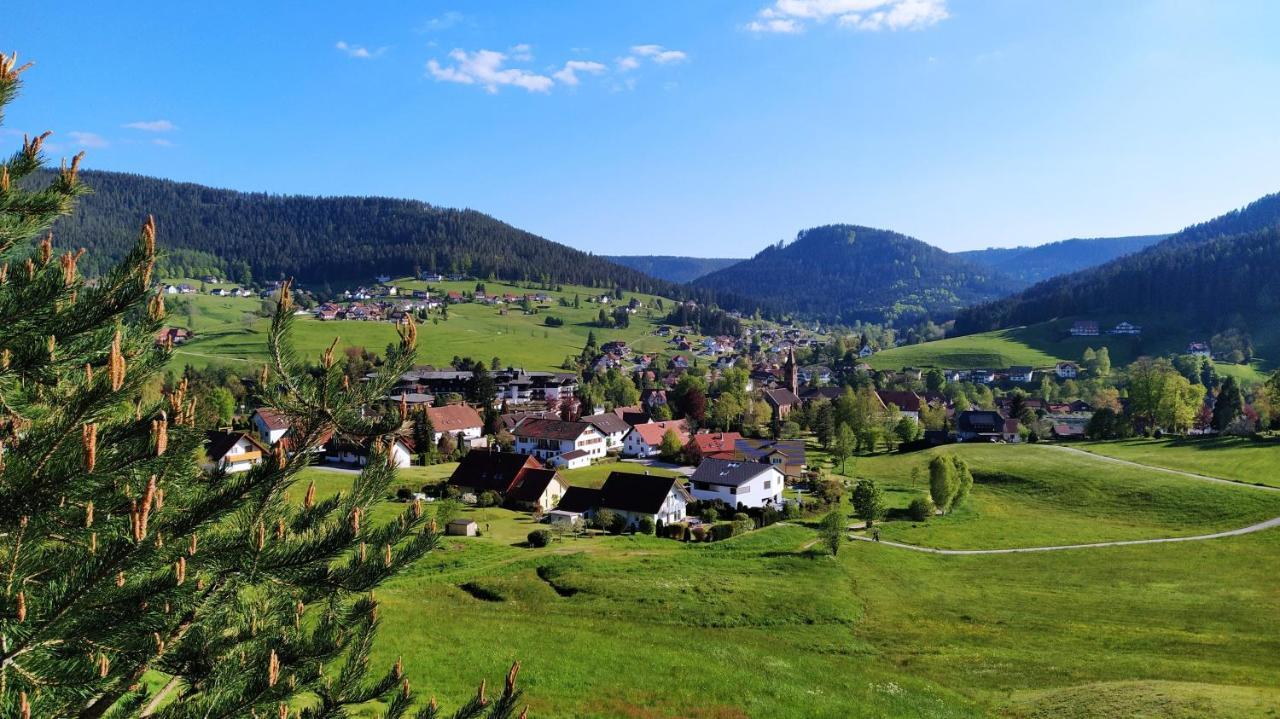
point(617, 524)
point(721, 531)
point(603, 518)
point(676, 531)
point(699, 533)
point(742, 523)
point(487, 499)
point(791, 510)
point(404, 494)
point(920, 509)
point(539, 538)
point(769, 515)
point(645, 525)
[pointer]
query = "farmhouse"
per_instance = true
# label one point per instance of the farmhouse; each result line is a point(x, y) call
point(537, 488)
point(985, 426)
point(1198, 349)
point(645, 440)
point(737, 483)
point(1067, 370)
point(1021, 374)
point(550, 438)
point(455, 419)
point(172, 336)
point(635, 496)
point(1084, 328)
point(612, 426)
point(1125, 328)
point(486, 471)
point(231, 451)
point(908, 403)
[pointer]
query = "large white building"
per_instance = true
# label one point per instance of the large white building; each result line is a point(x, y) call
point(736, 482)
point(548, 439)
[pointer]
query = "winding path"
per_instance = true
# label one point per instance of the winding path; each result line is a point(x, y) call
point(1260, 526)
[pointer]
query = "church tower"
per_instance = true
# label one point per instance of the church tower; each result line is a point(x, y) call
point(791, 373)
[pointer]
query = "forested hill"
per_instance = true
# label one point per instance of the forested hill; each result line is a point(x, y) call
point(337, 240)
point(847, 273)
point(672, 268)
point(1033, 264)
point(1204, 274)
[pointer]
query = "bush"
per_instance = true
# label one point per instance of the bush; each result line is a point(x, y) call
point(404, 494)
point(617, 524)
point(721, 531)
point(603, 518)
point(645, 525)
point(791, 510)
point(920, 509)
point(742, 523)
point(487, 499)
point(676, 531)
point(539, 538)
point(699, 533)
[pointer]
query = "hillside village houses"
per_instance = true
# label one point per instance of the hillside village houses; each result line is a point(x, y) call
point(645, 440)
point(566, 444)
point(737, 482)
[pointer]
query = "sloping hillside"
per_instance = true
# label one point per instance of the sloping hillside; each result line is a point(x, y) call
point(321, 239)
point(1208, 274)
point(672, 268)
point(847, 273)
point(1033, 264)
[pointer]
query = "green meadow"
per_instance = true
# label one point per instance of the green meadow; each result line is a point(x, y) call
point(767, 625)
point(1238, 458)
point(230, 330)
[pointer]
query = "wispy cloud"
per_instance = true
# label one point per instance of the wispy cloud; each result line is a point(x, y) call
point(487, 68)
point(443, 21)
point(659, 54)
point(359, 51)
point(628, 63)
point(568, 75)
point(162, 142)
point(792, 16)
point(152, 125)
point(90, 140)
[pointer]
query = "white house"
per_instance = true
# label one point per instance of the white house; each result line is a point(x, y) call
point(456, 419)
point(548, 439)
point(344, 452)
point(613, 427)
point(576, 459)
point(736, 482)
point(1067, 370)
point(1199, 349)
point(232, 451)
point(635, 496)
point(645, 440)
point(270, 425)
point(1021, 374)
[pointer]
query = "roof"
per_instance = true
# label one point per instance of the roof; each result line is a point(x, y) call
point(579, 499)
point(639, 493)
point(1021, 369)
point(272, 419)
point(531, 484)
point(218, 443)
point(483, 469)
point(729, 473)
point(709, 443)
point(653, 432)
point(632, 415)
point(607, 423)
point(454, 417)
point(511, 419)
point(541, 428)
point(979, 421)
point(757, 449)
point(781, 397)
point(905, 401)
point(462, 522)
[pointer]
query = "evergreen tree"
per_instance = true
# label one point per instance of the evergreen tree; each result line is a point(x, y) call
point(1229, 405)
point(122, 557)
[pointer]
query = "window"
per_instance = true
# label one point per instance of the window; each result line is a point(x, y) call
point(768, 483)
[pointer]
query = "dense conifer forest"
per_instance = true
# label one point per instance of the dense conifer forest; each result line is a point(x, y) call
point(1219, 269)
point(673, 268)
point(849, 273)
point(1033, 264)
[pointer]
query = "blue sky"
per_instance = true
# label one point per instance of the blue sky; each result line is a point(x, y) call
point(707, 127)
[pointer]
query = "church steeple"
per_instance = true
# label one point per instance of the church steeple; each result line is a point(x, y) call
point(790, 372)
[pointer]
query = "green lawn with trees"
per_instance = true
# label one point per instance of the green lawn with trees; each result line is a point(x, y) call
point(1238, 458)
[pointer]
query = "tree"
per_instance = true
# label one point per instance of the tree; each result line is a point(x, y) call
point(122, 557)
point(831, 531)
point(824, 423)
point(843, 446)
point(671, 446)
point(1229, 404)
point(964, 479)
point(920, 509)
point(223, 405)
point(943, 484)
point(1102, 362)
point(868, 501)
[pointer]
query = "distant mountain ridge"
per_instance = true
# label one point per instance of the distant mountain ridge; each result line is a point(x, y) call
point(848, 272)
point(1206, 274)
point(673, 268)
point(321, 240)
point(1031, 264)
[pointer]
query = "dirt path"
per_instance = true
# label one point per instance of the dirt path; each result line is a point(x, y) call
point(1260, 526)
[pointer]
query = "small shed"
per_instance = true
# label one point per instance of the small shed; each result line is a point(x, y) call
point(560, 516)
point(461, 528)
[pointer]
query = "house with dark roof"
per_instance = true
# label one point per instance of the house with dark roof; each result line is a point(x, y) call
point(635, 496)
point(579, 500)
point(612, 426)
point(540, 488)
point(547, 439)
point(341, 450)
point(787, 455)
point(908, 403)
point(483, 470)
point(231, 451)
point(781, 401)
point(737, 483)
point(1022, 374)
point(645, 440)
point(1084, 328)
point(981, 425)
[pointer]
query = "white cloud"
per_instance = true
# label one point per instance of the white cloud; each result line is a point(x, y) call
point(152, 125)
point(88, 139)
point(443, 22)
point(792, 16)
point(568, 74)
point(628, 63)
point(487, 69)
point(522, 52)
point(162, 142)
point(359, 51)
point(659, 54)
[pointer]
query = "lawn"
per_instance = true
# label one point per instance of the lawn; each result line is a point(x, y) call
point(1237, 458)
point(228, 329)
point(764, 626)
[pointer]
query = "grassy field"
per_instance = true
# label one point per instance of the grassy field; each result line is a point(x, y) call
point(765, 626)
point(229, 330)
point(1237, 458)
point(1044, 345)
